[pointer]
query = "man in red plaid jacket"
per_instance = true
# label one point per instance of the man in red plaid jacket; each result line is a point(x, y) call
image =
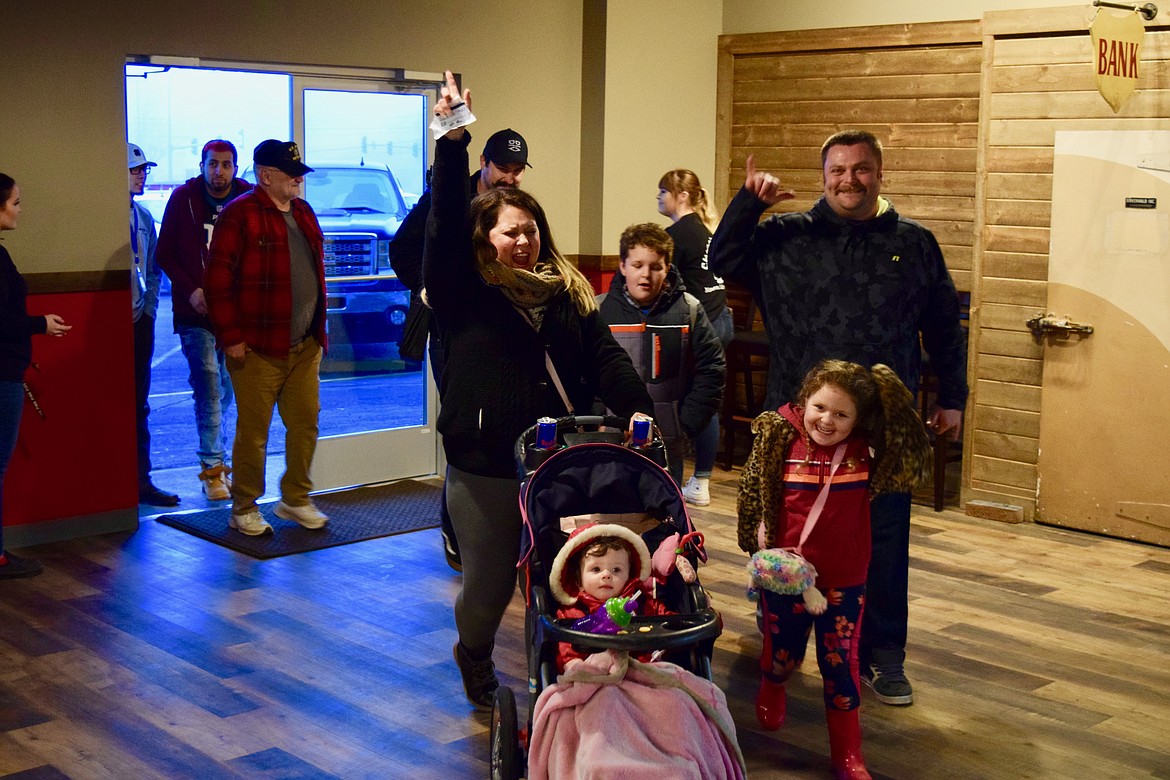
point(265, 289)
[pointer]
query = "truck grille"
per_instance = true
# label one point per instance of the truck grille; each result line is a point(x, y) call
point(350, 255)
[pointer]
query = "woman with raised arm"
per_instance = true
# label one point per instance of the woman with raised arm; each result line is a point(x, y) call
point(524, 341)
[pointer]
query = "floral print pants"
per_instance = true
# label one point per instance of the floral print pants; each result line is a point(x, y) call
point(786, 624)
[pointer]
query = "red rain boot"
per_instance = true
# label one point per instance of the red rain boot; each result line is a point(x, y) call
point(771, 704)
point(845, 744)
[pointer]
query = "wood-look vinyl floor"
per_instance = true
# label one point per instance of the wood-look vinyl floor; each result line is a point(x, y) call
point(1034, 652)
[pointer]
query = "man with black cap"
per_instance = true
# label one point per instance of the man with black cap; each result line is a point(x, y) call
point(265, 291)
point(145, 279)
point(502, 164)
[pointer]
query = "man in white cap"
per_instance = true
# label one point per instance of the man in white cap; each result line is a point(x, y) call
point(145, 278)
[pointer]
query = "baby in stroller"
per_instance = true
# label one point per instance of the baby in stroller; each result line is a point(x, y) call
point(601, 572)
point(595, 709)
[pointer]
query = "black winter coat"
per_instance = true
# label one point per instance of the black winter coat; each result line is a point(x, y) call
point(875, 291)
point(683, 366)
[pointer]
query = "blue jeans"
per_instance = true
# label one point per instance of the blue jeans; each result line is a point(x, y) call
point(11, 407)
point(211, 386)
point(707, 442)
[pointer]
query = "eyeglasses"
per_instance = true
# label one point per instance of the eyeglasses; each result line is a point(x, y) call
point(140, 169)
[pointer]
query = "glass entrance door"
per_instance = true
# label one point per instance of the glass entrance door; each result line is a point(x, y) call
point(366, 137)
point(369, 152)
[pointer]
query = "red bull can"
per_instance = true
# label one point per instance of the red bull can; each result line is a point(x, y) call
point(546, 434)
point(641, 430)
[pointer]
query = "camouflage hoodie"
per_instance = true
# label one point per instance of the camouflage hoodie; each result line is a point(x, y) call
point(829, 287)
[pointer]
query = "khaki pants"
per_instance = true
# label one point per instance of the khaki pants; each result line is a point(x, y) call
point(292, 386)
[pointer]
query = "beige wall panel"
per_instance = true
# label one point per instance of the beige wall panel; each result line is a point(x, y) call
point(1015, 292)
point(1018, 186)
point(744, 16)
point(1006, 369)
point(1015, 264)
point(1023, 213)
point(643, 138)
point(1005, 317)
point(1003, 472)
point(1008, 395)
point(1006, 446)
point(63, 92)
point(1019, 159)
point(1013, 421)
point(1010, 238)
point(1009, 343)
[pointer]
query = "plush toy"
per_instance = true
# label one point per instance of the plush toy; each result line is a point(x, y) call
point(670, 556)
point(788, 573)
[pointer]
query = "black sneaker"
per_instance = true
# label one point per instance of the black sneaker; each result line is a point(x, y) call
point(154, 496)
point(887, 679)
point(479, 678)
point(19, 567)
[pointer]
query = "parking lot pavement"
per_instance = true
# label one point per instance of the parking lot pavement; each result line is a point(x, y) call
point(348, 403)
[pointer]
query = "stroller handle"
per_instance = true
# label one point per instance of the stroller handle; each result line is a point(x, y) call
point(654, 451)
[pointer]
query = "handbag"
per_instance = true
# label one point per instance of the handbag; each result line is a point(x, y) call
point(412, 344)
point(784, 569)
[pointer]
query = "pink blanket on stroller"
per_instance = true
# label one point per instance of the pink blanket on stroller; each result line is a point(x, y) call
point(614, 717)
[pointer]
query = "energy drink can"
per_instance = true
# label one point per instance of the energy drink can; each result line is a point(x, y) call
point(641, 430)
point(546, 433)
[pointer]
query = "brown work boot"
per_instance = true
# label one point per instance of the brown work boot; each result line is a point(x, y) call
point(215, 482)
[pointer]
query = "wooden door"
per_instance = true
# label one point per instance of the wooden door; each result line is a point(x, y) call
point(1105, 406)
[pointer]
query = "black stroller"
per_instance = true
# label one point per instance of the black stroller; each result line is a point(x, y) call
point(593, 475)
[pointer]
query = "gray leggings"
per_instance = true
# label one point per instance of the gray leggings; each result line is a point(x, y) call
point(486, 516)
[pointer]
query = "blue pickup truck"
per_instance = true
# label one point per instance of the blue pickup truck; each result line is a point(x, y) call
point(360, 208)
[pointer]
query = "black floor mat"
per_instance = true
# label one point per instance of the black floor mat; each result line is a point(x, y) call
point(354, 515)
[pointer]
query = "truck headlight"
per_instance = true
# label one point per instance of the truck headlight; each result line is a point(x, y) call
point(384, 257)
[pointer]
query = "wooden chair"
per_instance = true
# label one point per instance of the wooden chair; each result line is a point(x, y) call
point(747, 365)
point(946, 450)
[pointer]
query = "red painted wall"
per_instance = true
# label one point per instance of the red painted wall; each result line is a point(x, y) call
point(80, 459)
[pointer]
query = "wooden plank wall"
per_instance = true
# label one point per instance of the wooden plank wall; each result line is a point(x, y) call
point(968, 112)
point(1038, 78)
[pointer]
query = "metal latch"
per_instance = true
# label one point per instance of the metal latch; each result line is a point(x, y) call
point(1050, 325)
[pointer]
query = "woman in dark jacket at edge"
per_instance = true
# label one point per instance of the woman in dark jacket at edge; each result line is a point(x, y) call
point(505, 298)
point(17, 327)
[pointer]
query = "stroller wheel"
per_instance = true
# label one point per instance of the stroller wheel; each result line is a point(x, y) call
point(505, 744)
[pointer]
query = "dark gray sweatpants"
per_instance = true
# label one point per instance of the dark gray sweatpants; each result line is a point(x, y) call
point(486, 516)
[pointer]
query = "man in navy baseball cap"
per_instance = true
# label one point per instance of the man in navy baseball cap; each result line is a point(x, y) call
point(282, 155)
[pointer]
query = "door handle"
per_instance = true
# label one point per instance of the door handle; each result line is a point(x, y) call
point(1050, 325)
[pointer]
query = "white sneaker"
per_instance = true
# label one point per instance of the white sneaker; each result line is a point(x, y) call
point(696, 493)
point(307, 516)
point(251, 523)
